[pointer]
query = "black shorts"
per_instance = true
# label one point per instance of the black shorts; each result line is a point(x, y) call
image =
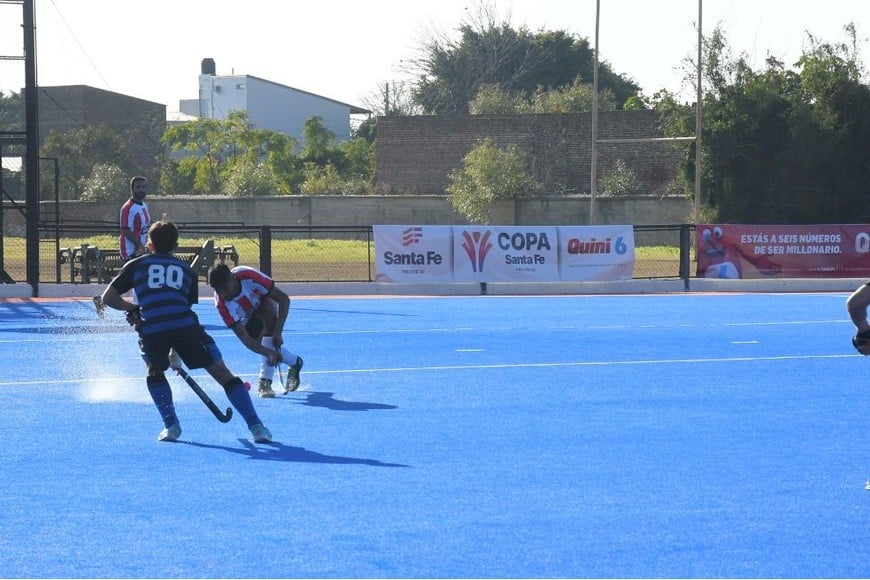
point(255, 327)
point(193, 344)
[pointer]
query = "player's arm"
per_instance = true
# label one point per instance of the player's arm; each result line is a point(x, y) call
point(856, 306)
point(113, 294)
point(113, 299)
point(127, 232)
point(254, 345)
point(283, 301)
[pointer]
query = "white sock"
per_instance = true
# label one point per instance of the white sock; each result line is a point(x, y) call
point(267, 371)
point(288, 357)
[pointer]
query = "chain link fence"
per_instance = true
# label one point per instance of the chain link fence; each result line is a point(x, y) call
point(87, 252)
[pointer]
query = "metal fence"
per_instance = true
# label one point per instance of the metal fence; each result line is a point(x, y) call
point(83, 252)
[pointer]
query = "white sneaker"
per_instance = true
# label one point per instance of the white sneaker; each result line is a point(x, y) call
point(171, 433)
point(260, 433)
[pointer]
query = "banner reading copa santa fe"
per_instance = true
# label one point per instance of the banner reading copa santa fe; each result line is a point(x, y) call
point(778, 251)
point(505, 254)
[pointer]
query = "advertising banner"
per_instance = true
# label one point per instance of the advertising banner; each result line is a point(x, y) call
point(505, 254)
point(596, 253)
point(758, 251)
point(413, 253)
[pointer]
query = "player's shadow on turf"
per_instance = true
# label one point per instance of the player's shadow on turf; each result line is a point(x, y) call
point(275, 451)
point(326, 400)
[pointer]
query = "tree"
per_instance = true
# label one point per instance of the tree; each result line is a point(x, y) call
point(11, 112)
point(351, 161)
point(217, 149)
point(394, 98)
point(489, 173)
point(780, 145)
point(80, 151)
point(249, 178)
point(493, 100)
point(621, 180)
point(573, 98)
point(319, 145)
point(106, 183)
point(490, 51)
point(321, 180)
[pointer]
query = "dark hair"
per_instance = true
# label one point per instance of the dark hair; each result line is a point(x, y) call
point(163, 236)
point(219, 276)
point(135, 179)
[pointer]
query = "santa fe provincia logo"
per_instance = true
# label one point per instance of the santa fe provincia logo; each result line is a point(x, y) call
point(476, 246)
point(412, 236)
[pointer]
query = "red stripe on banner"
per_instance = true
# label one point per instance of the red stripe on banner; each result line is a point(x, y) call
point(762, 251)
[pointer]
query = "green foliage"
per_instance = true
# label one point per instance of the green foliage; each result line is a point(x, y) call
point(490, 51)
point(79, 152)
point(488, 174)
point(321, 180)
point(358, 159)
point(493, 100)
point(621, 180)
point(780, 146)
point(219, 150)
point(231, 157)
point(573, 98)
point(635, 103)
point(172, 181)
point(367, 130)
point(107, 182)
point(319, 144)
point(248, 178)
point(11, 112)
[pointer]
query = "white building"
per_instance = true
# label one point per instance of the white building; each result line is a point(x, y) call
point(269, 105)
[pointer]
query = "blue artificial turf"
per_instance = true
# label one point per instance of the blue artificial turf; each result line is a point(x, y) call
point(690, 436)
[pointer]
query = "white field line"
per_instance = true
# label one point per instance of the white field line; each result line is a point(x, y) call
point(477, 367)
point(87, 334)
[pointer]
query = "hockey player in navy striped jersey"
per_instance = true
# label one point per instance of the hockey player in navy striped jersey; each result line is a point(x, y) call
point(166, 289)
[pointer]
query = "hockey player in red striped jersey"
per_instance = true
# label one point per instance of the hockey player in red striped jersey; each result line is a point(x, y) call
point(252, 305)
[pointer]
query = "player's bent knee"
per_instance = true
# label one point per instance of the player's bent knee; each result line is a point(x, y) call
point(232, 384)
point(155, 379)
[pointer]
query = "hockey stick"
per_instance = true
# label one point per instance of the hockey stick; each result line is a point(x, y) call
point(98, 304)
point(222, 417)
point(281, 378)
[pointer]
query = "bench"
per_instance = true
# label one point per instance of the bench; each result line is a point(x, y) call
point(91, 264)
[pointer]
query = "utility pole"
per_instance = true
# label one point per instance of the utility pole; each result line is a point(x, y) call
point(696, 138)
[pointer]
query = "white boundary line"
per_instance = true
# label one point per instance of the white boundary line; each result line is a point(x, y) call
point(477, 367)
point(381, 290)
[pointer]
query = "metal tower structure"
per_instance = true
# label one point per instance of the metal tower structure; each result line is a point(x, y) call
point(29, 139)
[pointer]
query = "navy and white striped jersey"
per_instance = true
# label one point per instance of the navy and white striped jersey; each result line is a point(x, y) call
point(165, 287)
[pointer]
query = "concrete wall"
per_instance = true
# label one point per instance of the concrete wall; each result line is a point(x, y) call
point(369, 210)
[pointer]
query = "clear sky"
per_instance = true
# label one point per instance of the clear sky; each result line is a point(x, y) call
point(347, 49)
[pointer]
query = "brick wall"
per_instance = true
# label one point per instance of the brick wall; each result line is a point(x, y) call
point(139, 122)
point(416, 154)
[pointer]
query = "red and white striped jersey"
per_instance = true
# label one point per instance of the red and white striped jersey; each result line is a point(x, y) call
point(254, 286)
point(134, 215)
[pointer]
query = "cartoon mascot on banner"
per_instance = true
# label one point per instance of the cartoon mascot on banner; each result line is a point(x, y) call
point(724, 259)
